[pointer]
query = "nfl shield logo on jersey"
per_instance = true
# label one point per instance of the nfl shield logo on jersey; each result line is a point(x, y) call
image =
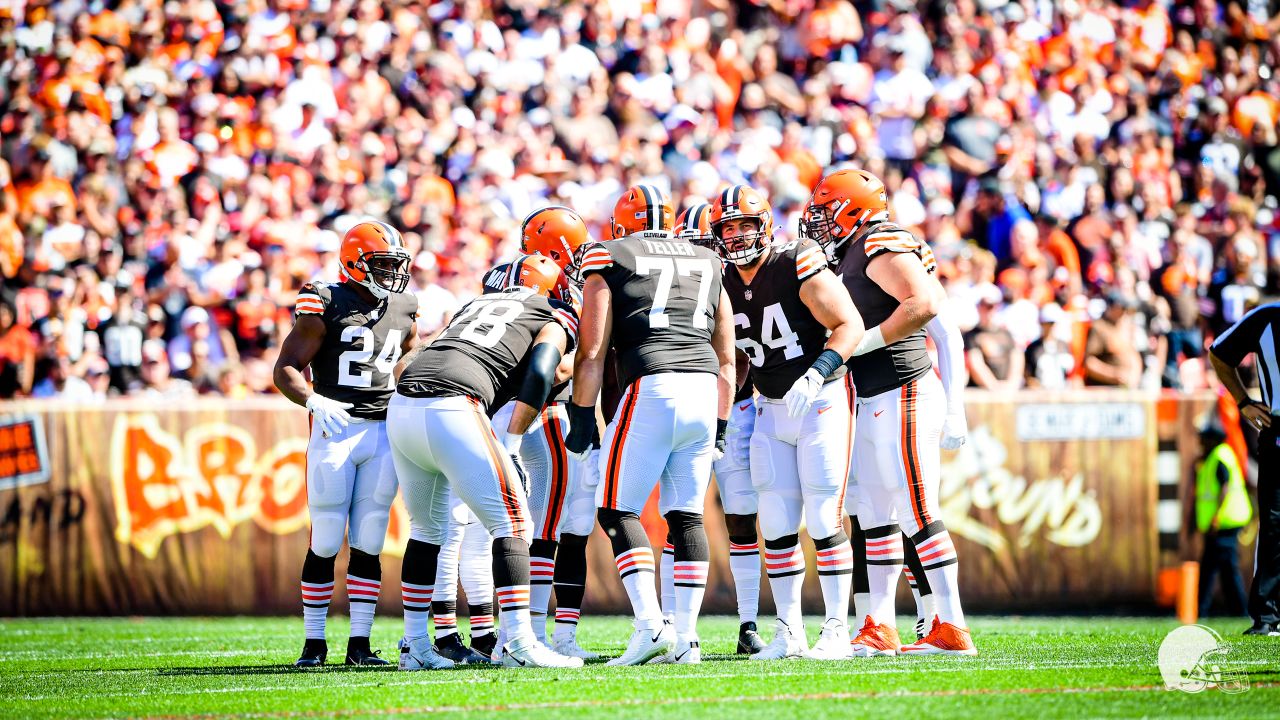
point(747, 293)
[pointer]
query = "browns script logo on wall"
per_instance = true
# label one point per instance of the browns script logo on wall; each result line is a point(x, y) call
point(213, 475)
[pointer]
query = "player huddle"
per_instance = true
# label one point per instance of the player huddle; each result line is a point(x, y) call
point(797, 373)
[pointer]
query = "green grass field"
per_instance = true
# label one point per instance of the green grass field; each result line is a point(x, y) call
point(1041, 667)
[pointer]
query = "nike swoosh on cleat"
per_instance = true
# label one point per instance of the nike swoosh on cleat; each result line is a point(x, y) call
point(686, 652)
point(655, 637)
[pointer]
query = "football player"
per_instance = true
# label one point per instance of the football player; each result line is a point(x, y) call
point(465, 558)
point(350, 335)
point(441, 438)
point(733, 477)
point(798, 327)
point(660, 304)
point(563, 506)
point(902, 407)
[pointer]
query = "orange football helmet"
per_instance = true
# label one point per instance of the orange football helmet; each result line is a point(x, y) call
point(694, 225)
point(842, 204)
point(736, 203)
point(540, 274)
point(641, 208)
point(555, 232)
point(372, 254)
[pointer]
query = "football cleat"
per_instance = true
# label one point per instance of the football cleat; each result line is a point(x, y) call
point(358, 653)
point(686, 652)
point(569, 647)
point(943, 639)
point(646, 645)
point(749, 640)
point(450, 646)
point(486, 645)
point(833, 642)
point(788, 642)
point(1262, 628)
point(528, 652)
point(875, 640)
point(420, 654)
point(314, 653)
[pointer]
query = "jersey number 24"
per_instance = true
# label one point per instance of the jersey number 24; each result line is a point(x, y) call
point(353, 365)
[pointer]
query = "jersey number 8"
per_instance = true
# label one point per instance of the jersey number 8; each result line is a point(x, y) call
point(488, 320)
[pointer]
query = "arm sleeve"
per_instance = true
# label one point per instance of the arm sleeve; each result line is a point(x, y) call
point(951, 366)
point(540, 376)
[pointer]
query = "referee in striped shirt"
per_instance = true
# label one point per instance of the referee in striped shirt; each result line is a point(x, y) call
point(1259, 333)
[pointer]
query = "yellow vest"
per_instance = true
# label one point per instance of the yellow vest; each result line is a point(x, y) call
point(1233, 511)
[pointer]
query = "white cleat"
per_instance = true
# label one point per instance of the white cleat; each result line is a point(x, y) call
point(646, 645)
point(833, 643)
point(569, 647)
point(420, 654)
point(788, 643)
point(531, 653)
point(686, 652)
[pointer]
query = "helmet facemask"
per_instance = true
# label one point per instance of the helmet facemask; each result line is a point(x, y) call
point(744, 249)
point(385, 273)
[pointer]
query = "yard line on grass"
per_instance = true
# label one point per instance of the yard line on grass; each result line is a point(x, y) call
point(495, 675)
point(780, 697)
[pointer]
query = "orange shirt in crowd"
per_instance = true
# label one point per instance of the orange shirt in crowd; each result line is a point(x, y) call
point(38, 198)
point(1255, 107)
point(170, 160)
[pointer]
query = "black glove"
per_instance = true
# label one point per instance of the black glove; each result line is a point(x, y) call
point(582, 428)
point(521, 473)
point(595, 436)
point(722, 429)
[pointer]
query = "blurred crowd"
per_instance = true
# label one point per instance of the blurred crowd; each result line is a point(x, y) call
point(1097, 179)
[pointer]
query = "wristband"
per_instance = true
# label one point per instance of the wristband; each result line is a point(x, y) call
point(722, 428)
point(828, 362)
point(872, 339)
point(1245, 402)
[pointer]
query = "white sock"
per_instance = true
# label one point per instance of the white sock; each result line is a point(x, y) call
point(513, 611)
point(567, 623)
point(884, 564)
point(666, 573)
point(315, 608)
point(541, 573)
point(835, 575)
point(690, 581)
point(938, 556)
point(362, 595)
point(417, 609)
point(786, 567)
point(744, 563)
point(635, 567)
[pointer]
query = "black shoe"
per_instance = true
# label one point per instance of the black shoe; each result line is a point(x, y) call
point(749, 641)
point(358, 653)
point(920, 628)
point(485, 645)
point(1263, 628)
point(314, 653)
point(451, 646)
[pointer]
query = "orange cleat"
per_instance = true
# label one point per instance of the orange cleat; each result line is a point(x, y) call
point(875, 640)
point(943, 639)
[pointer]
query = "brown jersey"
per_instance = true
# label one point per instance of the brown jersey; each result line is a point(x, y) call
point(775, 329)
point(664, 293)
point(483, 345)
point(362, 343)
point(893, 366)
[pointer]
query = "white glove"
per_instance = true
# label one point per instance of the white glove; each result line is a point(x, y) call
point(328, 413)
point(802, 393)
point(954, 430)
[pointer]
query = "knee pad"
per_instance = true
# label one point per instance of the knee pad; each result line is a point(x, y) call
point(368, 530)
point(327, 533)
point(781, 512)
point(824, 515)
